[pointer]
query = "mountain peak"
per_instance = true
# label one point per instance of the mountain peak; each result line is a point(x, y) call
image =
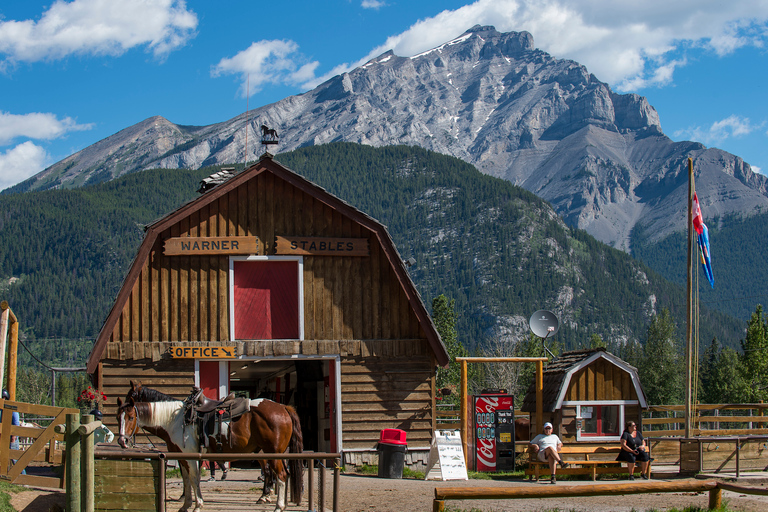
point(487, 97)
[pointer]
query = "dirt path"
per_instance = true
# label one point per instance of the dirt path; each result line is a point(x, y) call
point(370, 493)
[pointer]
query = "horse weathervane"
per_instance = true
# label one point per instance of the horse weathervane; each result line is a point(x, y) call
point(268, 135)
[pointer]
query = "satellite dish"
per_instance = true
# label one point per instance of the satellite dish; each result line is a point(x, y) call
point(544, 323)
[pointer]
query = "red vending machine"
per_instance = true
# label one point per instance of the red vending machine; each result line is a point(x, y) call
point(486, 406)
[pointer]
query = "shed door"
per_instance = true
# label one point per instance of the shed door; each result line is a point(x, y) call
point(266, 297)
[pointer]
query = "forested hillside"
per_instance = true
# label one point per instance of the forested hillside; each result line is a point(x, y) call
point(736, 244)
point(496, 249)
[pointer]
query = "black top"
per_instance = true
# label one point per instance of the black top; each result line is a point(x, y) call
point(632, 443)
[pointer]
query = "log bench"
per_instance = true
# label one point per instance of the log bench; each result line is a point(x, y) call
point(583, 460)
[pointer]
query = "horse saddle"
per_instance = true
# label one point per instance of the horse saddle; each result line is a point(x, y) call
point(210, 414)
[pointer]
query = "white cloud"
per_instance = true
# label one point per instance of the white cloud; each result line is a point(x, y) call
point(21, 162)
point(36, 125)
point(372, 4)
point(731, 126)
point(98, 27)
point(629, 45)
point(264, 62)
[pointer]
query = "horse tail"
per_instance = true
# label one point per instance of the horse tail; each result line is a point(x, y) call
point(296, 446)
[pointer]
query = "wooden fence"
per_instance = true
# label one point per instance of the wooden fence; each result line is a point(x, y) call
point(708, 420)
point(43, 447)
point(669, 421)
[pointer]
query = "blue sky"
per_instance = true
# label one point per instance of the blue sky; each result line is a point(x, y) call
point(74, 72)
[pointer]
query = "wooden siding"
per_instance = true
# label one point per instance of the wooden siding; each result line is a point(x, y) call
point(174, 377)
point(384, 383)
point(601, 380)
point(186, 298)
point(379, 393)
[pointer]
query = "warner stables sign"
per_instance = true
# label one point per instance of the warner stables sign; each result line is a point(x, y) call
point(192, 246)
point(321, 246)
point(284, 245)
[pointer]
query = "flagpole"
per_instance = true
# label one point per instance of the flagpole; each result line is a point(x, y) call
point(689, 322)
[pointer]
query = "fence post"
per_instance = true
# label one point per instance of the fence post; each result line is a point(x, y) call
point(715, 498)
point(73, 463)
point(87, 467)
point(321, 494)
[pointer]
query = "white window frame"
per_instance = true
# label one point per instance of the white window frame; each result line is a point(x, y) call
point(622, 405)
point(233, 259)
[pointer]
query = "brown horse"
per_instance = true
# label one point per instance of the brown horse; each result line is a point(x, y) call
point(268, 426)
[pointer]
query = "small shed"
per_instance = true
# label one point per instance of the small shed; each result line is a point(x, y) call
point(267, 285)
point(589, 395)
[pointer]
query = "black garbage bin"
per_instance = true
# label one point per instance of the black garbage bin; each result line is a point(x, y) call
point(391, 448)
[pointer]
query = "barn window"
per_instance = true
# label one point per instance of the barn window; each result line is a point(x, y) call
point(266, 298)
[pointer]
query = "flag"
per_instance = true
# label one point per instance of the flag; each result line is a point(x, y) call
point(706, 260)
point(698, 218)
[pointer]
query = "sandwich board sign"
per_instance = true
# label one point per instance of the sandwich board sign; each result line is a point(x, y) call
point(446, 457)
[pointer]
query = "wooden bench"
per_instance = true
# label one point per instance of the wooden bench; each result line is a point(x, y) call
point(582, 460)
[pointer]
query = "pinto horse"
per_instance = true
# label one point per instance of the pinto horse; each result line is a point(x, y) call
point(268, 427)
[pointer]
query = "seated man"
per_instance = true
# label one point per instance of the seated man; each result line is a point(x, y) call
point(546, 446)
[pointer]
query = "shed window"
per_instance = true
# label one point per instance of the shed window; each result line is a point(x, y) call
point(600, 420)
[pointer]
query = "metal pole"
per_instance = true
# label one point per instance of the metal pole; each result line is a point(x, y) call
point(689, 313)
point(321, 494)
point(311, 482)
point(336, 466)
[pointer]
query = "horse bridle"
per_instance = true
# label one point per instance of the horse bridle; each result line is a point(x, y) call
point(132, 437)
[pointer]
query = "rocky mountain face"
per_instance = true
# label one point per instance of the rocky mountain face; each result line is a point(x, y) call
point(489, 98)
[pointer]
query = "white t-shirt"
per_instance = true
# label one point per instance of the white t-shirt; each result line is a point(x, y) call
point(545, 441)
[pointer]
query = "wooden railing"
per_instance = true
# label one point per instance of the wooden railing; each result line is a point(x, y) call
point(43, 448)
point(709, 420)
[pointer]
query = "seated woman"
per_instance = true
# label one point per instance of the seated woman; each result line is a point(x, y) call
point(634, 450)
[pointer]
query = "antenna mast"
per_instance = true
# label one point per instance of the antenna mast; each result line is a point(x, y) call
point(247, 95)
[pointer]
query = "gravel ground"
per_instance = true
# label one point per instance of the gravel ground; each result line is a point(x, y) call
point(370, 493)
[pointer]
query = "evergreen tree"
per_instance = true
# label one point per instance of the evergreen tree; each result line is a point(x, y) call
point(595, 341)
point(721, 376)
point(661, 368)
point(445, 322)
point(755, 357)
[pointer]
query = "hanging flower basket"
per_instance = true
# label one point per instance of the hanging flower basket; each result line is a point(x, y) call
point(90, 399)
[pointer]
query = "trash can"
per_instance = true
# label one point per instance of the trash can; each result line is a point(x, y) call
point(391, 450)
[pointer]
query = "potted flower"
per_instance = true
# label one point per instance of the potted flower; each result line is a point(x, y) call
point(90, 399)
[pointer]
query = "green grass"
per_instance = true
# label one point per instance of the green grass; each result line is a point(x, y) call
point(373, 469)
point(5, 496)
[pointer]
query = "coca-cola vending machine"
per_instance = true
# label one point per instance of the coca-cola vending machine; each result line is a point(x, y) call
point(486, 406)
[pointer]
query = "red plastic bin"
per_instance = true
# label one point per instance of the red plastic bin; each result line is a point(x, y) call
point(392, 436)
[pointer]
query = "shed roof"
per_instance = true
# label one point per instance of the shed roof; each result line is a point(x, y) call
point(559, 371)
point(267, 164)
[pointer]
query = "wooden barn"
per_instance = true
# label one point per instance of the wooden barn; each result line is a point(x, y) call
point(589, 395)
point(266, 285)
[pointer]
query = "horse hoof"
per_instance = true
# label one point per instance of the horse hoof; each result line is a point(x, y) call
point(264, 499)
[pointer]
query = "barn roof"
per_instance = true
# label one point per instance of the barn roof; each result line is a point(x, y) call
point(212, 191)
point(559, 371)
